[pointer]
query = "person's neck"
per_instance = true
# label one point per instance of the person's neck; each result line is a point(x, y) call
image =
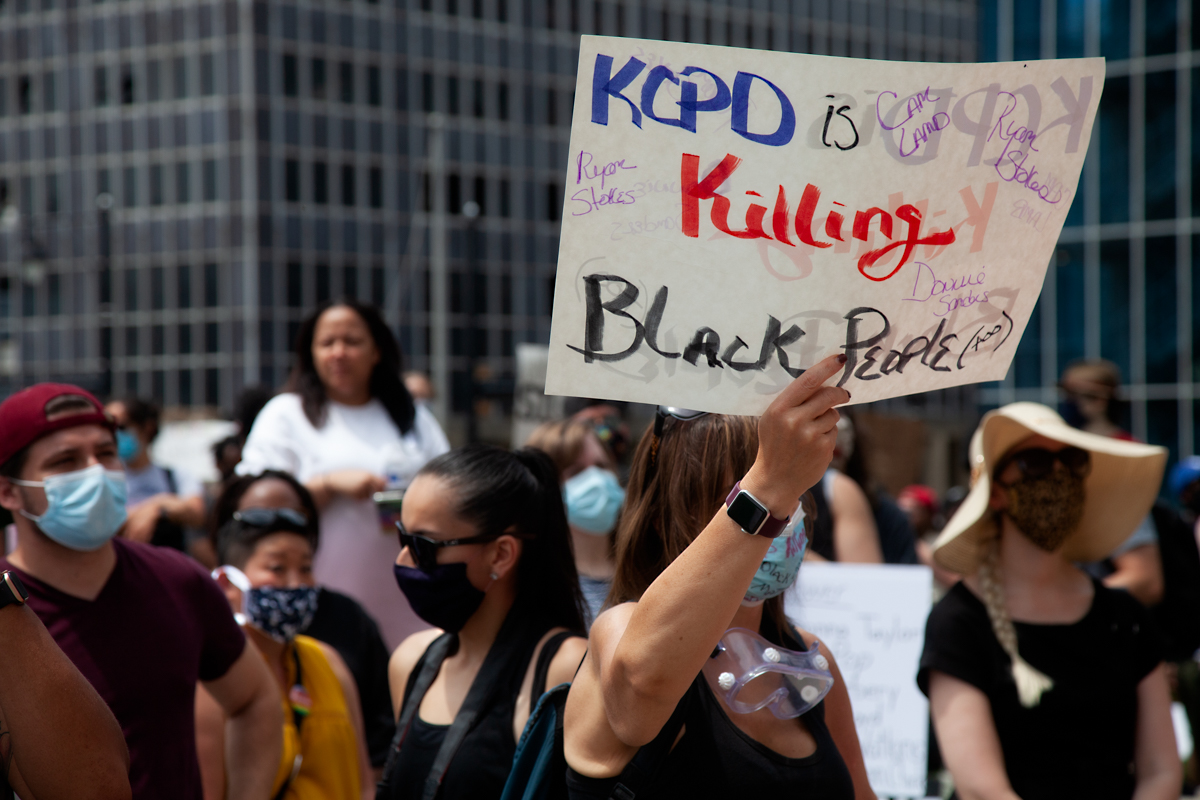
point(749, 617)
point(140, 461)
point(1101, 426)
point(350, 397)
point(273, 651)
point(1026, 565)
point(79, 574)
point(477, 636)
point(593, 555)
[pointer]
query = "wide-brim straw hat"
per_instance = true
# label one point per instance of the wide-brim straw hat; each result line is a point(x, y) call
point(1120, 489)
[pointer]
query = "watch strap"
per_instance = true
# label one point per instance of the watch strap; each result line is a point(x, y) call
point(770, 527)
point(12, 590)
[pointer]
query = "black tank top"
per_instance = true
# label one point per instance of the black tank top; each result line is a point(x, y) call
point(483, 760)
point(715, 758)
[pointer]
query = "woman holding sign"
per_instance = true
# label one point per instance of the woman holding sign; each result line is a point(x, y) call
point(1042, 682)
point(694, 684)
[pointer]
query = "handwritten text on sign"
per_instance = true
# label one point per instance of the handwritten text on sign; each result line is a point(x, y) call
point(732, 216)
point(872, 618)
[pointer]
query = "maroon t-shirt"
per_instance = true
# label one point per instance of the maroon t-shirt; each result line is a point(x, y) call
point(159, 624)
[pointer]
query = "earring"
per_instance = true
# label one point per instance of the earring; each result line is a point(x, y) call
point(494, 576)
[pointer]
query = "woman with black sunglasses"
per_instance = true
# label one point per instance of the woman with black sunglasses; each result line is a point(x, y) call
point(1042, 682)
point(485, 559)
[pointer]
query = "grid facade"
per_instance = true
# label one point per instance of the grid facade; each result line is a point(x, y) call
point(261, 157)
point(1124, 282)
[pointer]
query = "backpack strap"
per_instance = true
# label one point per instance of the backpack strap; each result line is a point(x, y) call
point(542, 670)
point(648, 760)
point(418, 684)
point(513, 638)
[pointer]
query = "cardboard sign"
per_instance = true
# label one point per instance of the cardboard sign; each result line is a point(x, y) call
point(732, 216)
point(872, 617)
point(531, 406)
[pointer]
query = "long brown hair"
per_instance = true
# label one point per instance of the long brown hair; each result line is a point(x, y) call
point(677, 484)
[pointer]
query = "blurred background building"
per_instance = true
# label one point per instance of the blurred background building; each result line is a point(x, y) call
point(182, 182)
point(1123, 284)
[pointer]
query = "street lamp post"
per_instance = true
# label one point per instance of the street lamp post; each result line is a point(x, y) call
point(104, 204)
point(470, 211)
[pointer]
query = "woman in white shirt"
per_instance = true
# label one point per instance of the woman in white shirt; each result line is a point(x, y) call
point(346, 427)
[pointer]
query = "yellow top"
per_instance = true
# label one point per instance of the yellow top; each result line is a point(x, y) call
point(326, 745)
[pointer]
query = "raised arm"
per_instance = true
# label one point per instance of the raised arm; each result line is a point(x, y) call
point(63, 742)
point(647, 654)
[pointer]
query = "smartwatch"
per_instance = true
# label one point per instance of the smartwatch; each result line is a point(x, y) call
point(751, 515)
point(12, 591)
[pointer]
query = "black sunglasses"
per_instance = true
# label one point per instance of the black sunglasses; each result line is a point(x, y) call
point(1038, 462)
point(424, 550)
point(272, 518)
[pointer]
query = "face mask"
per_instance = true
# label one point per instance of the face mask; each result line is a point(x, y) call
point(779, 569)
point(128, 446)
point(444, 597)
point(1048, 509)
point(84, 509)
point(280, 613)
point(593, 499)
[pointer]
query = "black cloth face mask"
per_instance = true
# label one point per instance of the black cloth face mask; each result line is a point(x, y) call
point(443, 596)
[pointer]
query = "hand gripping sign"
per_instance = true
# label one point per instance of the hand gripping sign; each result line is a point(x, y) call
point(732, 216)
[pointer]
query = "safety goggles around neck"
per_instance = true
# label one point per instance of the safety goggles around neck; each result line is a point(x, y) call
point(424, 550)
point(751, 673)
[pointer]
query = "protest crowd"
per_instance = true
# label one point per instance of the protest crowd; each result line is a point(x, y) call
point(594, 615)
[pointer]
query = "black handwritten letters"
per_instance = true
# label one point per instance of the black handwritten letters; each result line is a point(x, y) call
point(944, 350)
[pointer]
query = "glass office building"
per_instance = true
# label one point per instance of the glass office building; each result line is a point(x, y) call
point(183, 181)
point(1123, 284)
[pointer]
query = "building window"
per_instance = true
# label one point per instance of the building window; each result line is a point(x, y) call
point(477, 99)
point(24, 95)
point(291, 76)
point(551, 107)
point(374, 86)
point(318, 78)
point(346, 80)
point(182, 190)
point(502, 101)
point(348, 184)
point(51, 194)
point(209, 179)
point(481, 194)
point(208, 77)
point(454, 194)
point(130, 187)
point(452, 94)
point(49, 96)
point(153, 85)
point(295, 285)
point(505, 206)
point(502, 10)
point(320, 183)
point(376, 187)
point(179, 68)
point(427, 102)
point(184, 280)
point(291, 180)
point(156, 185)
point(552, 202)
point(212, 293)
point(100, 90)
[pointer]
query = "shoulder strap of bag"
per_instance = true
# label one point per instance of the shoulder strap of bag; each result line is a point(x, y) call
point(648, 760)
point(418, 684)
point(542, 670)
point(510, 641)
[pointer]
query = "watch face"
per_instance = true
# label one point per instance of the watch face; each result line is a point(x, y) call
point(747, 513)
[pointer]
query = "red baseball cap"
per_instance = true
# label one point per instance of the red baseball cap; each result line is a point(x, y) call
point(923, 495)
point(23, 416)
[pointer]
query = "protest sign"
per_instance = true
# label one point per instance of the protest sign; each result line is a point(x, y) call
point(732, 216)
point(531, 406)
point(872, 618)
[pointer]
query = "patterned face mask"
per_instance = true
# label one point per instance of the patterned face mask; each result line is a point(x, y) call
point(1047, 509)
point(281, 613)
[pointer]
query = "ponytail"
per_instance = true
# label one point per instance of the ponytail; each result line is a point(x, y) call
point(1031, 683)
point(504, 491)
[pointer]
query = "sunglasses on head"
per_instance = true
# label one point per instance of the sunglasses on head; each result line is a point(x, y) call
point(424, 550)
point(288, 518)
point(1038, 462)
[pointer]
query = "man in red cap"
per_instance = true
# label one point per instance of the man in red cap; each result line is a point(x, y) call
point(142, 623)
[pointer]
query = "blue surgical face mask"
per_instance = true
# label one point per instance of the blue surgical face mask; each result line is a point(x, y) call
point(128, 446)
point(593, 499)
point(84, 509)
point(779, 569)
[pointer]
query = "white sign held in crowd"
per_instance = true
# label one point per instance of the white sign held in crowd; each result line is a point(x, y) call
point(872, 617)
point(531, 405)
point(732, 216)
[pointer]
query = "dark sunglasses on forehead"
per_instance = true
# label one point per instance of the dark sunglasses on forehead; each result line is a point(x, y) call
point(1038, 462)
point(424, 550)
point(272, 518)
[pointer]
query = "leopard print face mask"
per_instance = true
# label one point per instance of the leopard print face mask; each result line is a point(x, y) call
point(1047, 509)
